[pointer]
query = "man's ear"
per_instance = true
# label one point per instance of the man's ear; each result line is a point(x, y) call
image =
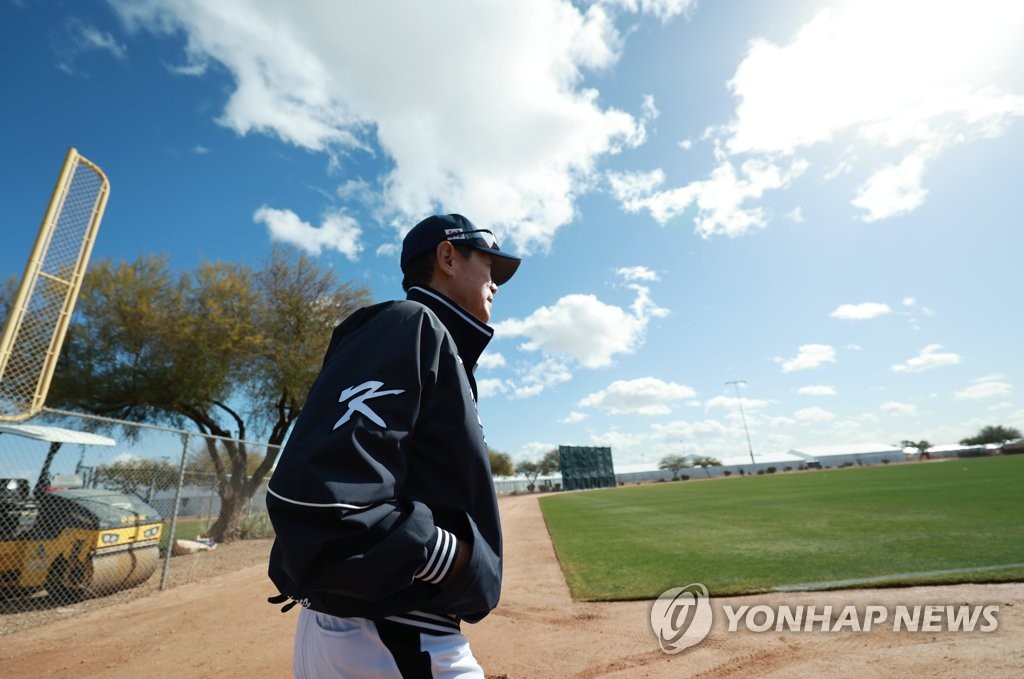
point(444, 259)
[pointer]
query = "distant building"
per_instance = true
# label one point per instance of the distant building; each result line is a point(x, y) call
point(847, 455)
point(1013, 447)
point(955, 450)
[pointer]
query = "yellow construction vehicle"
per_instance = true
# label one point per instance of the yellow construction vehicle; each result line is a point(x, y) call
point(75, 542)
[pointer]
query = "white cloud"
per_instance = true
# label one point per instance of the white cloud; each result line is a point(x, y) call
point(930, 357)
point(338, 231)
point(853, 347)
point(491, 360)
point(200, 150)
point(796, 214)
point(730, 403)
point(984, 388)
point(909, 301)
point(905, 101)
point(192, 69)
point(722, 200)
point(650, 110)
point(893, 189)
point(534, 450)
point(491, 387)
point(681, 429)
point(89, 37)
point(637, 273)
point(812, 415)
point(83, 38)
point(704, 437)
point(573, 417)
point(779, 422)
point(824, 81)
point(809, 356)
point(860, 312)
point(359, 190)
point(533, 379)
point(816, 390)
point(497, 121)
point(647, 396)
point(897, 408)
point(661, 9)
point(584, 329)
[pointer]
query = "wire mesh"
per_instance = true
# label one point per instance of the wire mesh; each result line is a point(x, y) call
point(87, 517)
point(35, 328)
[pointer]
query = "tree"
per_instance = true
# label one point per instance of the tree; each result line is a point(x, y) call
point(8, 292)
point(531, 470)
point(704, 462)
point(501, 463)
point(548, 464)
point(674, 463)
point(551, 463)
point(922, 446)
point(227, 349)
point(992, 434)
point(136, 476)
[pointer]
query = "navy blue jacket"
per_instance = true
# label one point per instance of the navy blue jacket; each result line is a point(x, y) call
point(386, 463)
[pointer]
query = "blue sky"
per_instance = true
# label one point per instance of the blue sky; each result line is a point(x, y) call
point(818, 198)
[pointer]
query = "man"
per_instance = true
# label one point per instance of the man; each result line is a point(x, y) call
point(383, 504)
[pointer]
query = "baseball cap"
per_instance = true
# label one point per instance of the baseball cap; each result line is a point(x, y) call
point(457, 230)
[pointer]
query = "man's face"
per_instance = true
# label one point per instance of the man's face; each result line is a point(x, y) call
point(472, 287)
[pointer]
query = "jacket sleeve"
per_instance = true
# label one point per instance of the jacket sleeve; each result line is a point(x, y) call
point(342, 523)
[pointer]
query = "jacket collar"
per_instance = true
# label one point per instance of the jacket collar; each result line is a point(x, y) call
point(471, 336)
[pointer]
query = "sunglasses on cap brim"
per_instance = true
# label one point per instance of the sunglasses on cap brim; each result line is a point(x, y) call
point(479, 237)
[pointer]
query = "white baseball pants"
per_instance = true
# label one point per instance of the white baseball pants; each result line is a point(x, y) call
point(329, 647)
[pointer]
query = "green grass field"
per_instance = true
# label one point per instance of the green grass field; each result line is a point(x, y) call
point(758, 533)
point(186, 529)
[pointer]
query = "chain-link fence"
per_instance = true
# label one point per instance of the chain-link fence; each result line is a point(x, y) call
point(91, 506)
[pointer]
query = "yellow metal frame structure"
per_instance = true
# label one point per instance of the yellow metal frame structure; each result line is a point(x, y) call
point(42, 309)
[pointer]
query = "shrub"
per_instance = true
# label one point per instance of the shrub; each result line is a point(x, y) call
point(255, 527)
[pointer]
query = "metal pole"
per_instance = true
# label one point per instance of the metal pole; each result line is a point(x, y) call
point(174, 511)
point(736, 384)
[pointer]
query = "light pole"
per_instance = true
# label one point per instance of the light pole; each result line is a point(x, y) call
point(736, 384)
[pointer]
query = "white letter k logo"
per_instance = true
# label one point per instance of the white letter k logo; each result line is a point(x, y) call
point(358, 402)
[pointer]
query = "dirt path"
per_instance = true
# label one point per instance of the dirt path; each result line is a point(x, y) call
point(222, 627)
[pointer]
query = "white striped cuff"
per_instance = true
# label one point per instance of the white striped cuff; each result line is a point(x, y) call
point(440, 558)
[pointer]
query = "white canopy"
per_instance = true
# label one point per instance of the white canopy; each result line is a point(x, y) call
point(56, 434)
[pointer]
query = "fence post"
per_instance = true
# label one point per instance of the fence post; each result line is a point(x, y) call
point(174, 511)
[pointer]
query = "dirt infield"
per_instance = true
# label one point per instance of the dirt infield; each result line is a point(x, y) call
point(221, 627)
